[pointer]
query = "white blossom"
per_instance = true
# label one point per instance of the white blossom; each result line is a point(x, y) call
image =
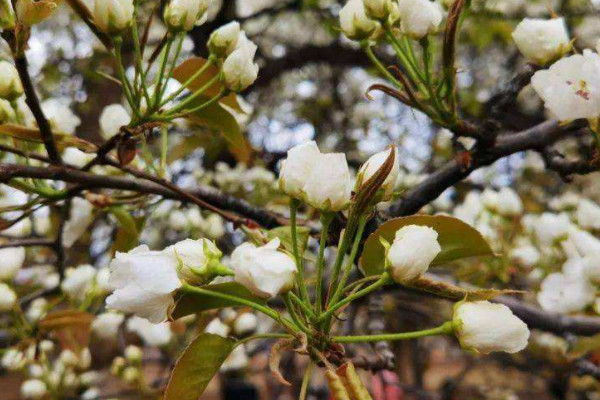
point(296, 168)
point(33, 389)
point(245, 323)
point(419, 18)
point(60, 116)
point(144, 281)
point(372, 166)
point(329, 186)
point(378, 9)
point(195, 257)
point(106, 325)
point(185, 14)
point(156, 335)
point(485, 327)
point(217, 327)
point(11, 261)
point(551, 227)
point(570, 88)
point(239, 69)
point(79, 281)
point(236, 361)
point(412, 252)
point(76, 157)
point(526, 255)
point(80, 218)
point(265, 271)
point(113, 16)
point(565, 293)
point(13, 360)
point(223, 41)
point(354, 21)
point(588, 214)
point(541, 40)
point(112, 118)
point(8, 298)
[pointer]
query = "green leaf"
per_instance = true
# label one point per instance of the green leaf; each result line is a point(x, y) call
point(192, 303)
point(198, 364)
point(457, 239)
point(129, 230)
point(33, 135)
point(284, 233)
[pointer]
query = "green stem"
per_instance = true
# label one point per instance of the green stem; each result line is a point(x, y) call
point(191, 80)
point(127, 89)
point(306, 381)
point(181, 38)
point(289, 305)
point(169, 116)
point(140, 73)
point(306, 308)
point(326, 219)
point(194, 96)
point(164, 148)
point(382, 69)
point(445, 329)
point(300, 277)
point(264, 336)
point(385, 279)
point(161, 72)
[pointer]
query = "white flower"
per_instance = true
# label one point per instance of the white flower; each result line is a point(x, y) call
point(154, 335)
point(217, 327)
point(76, 157)
point(581, 244)
point(8, 298)
point(485, 327)
point(113, 16)
point(195, 257)
point(541, 40)
point(13, 360)
point(412, 252)
point(33, 389)
point(470, 209)
point(329, 186)
point(11, 261)
point(80, 217)
point(565, 293)
point(237, 360)
point(296, 168)
point(570, 88)
point(354, 21)
point(144, 282)
point(527, 255)
point(10, 83)
point(551, 227)
point(419, 18)
point(373, 164)
point(245, 323)
point(185, 14)
point(60, 116)
point(36, 310)
point(509, 203)
point(106, 325)
point(265, 271)
point(378, 9)
point(223, 41)
point(112, 118)
point(588, 214)
point(79, 281)
point(239, 70)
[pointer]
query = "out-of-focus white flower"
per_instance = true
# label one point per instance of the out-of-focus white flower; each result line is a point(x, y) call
point(156, 335)
point(373, 164)
point(485, 327)
point(588, 214)
point(10, 83)
point(79, 281)
point(112, 118)
point(237, 360)
point(470, 209)
point(91, 394)
point(354, 21)
point(145, 281)
point(378, 9)
point(329, 186)
point(113, 16)
point(562, 293)
point(419, 18)
point(223, 41)
point(265, 271)
point(214, 226)
point(8, 298)
point(245, 323)
point(551, 227)
point(33, 389)
point(106, 325)
point(76, 157)
point(37, 309)
point(60, 116)
point(296, 168)
point(185, 14)
point(542, 40)
point(217, 327)
point(570, 88)
point(412, 252)
point(527, 255)
point(239, 69)
point(13, 360)
point(583, 243)
point(11, 261)
point(199, 260)
point(80, 217)
point(7, 114)
point(567, 201)
point(509, 203)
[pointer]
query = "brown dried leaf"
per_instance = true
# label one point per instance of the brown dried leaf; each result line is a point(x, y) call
point(453, 292)
point(275, 356)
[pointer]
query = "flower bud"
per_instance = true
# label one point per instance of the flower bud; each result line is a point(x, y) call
point(354, 21)
point(217, 327)
point(245, 323)
point(183, 15)
point(265, 271)
point(198, 260)
point(588, 214)
point(223, 41)
point(8, 298)
point(541, 40)
point(370, 168)
point(11, 261)
point(131, 375)
point(412, 252)
point(112, 118)
point(7, 15)
point(419, 18)
point(31, 12)
point(484, 327)
point(329, 187)
point(296, 168)
point(113, 16)
point(106, 325)
point(10, 83)
point(239, 69)
point(378, 9)
point(134, 354)
point(33, 389)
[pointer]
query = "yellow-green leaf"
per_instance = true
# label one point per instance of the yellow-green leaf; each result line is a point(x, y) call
point(192, 303)
point(198, 364)
point(457, 239)
point(453, 292)
point(33, 135)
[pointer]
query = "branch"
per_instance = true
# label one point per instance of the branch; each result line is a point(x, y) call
point(34, 242)
point(33, 102)
point(557, 162)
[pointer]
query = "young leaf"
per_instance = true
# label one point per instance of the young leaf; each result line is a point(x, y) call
point(198, 364)
point(192, 303)
point(33, 135)
point(457, 239)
